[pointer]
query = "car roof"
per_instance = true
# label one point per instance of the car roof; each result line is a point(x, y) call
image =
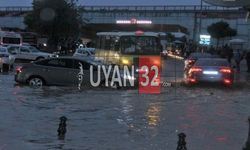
point(85, 59)
point(83, 49)
point(212, 62)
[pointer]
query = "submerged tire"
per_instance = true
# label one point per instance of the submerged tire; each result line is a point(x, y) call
point(36, 82)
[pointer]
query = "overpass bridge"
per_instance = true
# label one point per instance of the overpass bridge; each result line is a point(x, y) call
point(191, 19)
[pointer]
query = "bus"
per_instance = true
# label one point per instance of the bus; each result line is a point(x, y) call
point(10, 38)
point(29, 38)
point(124, 48)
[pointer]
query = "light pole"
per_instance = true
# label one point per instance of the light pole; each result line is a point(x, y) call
point(201, 11)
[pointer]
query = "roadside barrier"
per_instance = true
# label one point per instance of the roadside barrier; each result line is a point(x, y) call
point(182, 142)
point(247, 147)
point(62, 128)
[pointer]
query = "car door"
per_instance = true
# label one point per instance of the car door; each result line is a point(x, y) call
point(57, 71)
point(14, 51)
point(25, 53)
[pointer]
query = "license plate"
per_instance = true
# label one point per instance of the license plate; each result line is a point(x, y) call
point(210, 72)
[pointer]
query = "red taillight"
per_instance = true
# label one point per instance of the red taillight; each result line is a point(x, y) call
point(195, 69)
point(191, 61)
point(19, 69)
point(225, 70)
point(227, 81)
point(139, 33)
point(192, 80)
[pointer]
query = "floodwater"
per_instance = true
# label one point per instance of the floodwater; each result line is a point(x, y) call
point(212, 117)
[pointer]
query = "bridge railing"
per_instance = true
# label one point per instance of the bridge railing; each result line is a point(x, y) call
point(164, 8)
point(132, 8)
point(16, 9)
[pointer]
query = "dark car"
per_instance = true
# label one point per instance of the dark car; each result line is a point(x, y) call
point(61, 71)
point(211, 70)
point(193, 57)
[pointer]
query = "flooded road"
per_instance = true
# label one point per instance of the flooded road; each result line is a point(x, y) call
point(213, 117)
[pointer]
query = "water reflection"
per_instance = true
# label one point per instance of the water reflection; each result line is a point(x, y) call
point(153, 115)
point(127, 109)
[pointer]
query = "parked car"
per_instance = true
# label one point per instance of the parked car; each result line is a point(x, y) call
point(28, 53)
point(6, 60)
point(84, 52)
point(193, 57)
point(59, 71)
point(164, 53)
point(211, 70)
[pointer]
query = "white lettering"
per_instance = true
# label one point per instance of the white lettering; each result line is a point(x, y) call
point(116, 76)
point(106, 74)
point(128, 76)
point(95, 84)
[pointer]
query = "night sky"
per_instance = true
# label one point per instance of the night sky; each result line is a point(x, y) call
point(109, 2)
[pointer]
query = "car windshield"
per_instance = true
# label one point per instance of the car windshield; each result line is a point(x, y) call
point(200, 55)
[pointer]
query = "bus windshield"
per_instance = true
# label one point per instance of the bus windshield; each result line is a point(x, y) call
point(10, 40)
point(140, 45)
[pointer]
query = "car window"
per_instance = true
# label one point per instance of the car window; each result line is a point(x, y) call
point(65, 63)
point(83, 52)
point(86, 66)
point(200, 55)
point(13, 49)
point(2, 50)
point(24, 50)
point(80, 51)
point(34, 49)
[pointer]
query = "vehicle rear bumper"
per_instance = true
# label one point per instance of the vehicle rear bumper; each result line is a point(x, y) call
point(19, 78)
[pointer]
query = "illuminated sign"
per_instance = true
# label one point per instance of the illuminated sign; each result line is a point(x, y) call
point(133, 21)
point(205, 39)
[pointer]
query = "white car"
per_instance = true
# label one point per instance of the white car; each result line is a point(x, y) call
point(6, 60)
point(85, 52)
point(29, 53)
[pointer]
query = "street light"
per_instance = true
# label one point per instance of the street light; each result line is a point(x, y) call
point(201, 11)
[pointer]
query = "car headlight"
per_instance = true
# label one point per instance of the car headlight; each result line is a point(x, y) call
point(125, 61)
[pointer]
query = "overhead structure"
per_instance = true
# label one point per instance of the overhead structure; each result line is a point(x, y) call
point(232, 3)
point(229, 3)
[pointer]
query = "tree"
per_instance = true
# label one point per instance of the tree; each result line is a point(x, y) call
point(59, 20)
point(221, 30)
point(170, 37)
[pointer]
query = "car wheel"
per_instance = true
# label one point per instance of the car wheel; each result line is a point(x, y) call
point(36, 82)
point(39, 58)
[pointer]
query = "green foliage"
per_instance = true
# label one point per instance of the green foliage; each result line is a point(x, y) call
point(170, 37)
point(57, 19)
point(221, 30)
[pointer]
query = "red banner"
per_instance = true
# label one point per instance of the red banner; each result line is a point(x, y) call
point(149, 75)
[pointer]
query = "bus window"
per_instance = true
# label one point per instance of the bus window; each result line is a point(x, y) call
point(9, 40)
point(141, 45)
point(107, 43)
